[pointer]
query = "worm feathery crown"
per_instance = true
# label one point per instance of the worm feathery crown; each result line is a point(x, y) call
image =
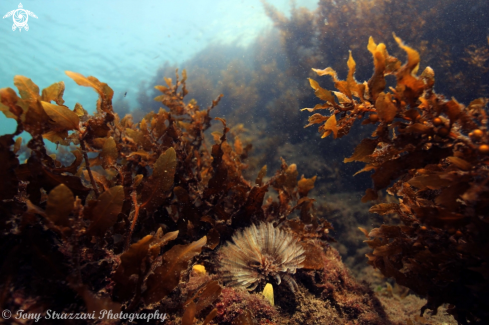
point(259, 253)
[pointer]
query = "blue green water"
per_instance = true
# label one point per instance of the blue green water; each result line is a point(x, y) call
point(121, 43)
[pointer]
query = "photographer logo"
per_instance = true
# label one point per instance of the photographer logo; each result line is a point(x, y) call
point(20, 17)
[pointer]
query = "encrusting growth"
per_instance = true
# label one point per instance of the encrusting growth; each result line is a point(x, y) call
point(260, 253)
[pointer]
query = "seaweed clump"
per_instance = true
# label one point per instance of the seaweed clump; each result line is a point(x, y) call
point(121, 225)
point(433, 155)
point(448, 33)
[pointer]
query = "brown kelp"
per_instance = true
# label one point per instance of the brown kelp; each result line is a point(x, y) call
point(432, 153)
point(450, 35)
point(133, 220)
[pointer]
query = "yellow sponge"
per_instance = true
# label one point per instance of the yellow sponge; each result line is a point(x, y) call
point(268, 293)
point(199, 269)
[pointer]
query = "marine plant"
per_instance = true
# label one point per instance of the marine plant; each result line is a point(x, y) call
point(449, 33)
point(432, 154)
point(121, 225)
